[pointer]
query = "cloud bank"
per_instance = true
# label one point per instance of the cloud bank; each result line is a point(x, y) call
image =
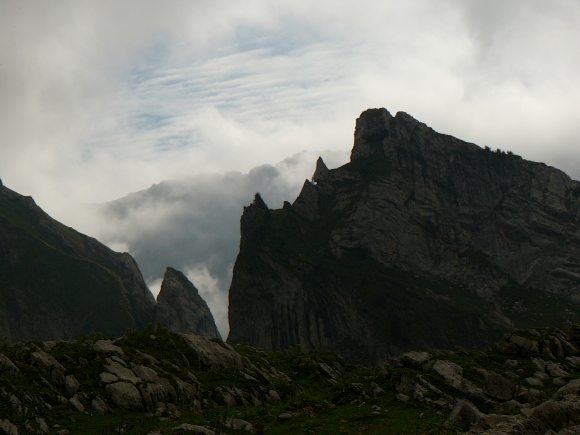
point(103, 98)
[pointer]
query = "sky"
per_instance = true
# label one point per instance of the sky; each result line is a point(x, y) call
point(99, 99)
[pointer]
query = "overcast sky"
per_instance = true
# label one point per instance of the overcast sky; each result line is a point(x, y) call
point(102, 98)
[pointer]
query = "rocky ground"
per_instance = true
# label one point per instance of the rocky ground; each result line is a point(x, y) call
point(159, 382)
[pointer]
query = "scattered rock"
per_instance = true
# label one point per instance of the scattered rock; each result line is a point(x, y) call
point(42, 426)
point(572, 389)
point(524, 345)
point(511, 363)
point(534, 382)
point(121, 372)
point(71, 385)
point(107, 347)
point(555, 370)
point(238, 425)
point(329, 371)
point(225, 396)
point(496, 386)
point(125, 395)
point(76, 403)
point(377, 390)
point(214, 352)
point(8, 427)
point(49, 366)
point(414, 359)
point(145, 373)
point(558, 382)
point(100, 406)
point(107, 378)
point(464, 414)
point(159, 391)
point(6, 365)
point(554, 415)
point(273, 396)
point(193, 428)
point(402, 398)
point(451, 372)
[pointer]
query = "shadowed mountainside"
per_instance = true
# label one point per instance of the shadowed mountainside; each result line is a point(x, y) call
point(57, 283)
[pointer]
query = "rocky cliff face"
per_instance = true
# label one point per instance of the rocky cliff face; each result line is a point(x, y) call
point(421, 240)
point(181, 308)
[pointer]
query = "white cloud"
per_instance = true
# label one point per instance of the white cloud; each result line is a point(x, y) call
point(101, 98)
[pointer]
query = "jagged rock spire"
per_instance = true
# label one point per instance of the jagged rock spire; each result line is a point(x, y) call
point(320, 171)
point(181, 308)
point(259, 202)
point(376, 130)
point(372, 128)
point(307, 202)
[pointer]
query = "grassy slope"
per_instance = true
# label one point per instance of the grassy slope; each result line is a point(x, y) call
point(54, 273)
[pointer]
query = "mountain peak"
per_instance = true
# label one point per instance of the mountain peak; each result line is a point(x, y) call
point(181, 308)
point(320, 171)
point(259, 202)
point(377, 129)
point(371, 129)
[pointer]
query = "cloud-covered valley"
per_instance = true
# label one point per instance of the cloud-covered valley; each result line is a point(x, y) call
point(192, 223)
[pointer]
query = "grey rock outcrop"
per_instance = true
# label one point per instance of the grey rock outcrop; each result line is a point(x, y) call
point(181, 308)
point(125, 395)
point(420, 228)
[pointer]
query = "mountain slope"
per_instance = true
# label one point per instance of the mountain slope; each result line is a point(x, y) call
point(58, 283)
point(421, 240)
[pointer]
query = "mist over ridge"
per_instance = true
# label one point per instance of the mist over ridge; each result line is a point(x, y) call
point(193, 224)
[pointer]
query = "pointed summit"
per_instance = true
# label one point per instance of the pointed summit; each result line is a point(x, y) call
point(372, 128)
point(307, 202)
point(320, 171)
point(259, 202)
point(181, 308)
